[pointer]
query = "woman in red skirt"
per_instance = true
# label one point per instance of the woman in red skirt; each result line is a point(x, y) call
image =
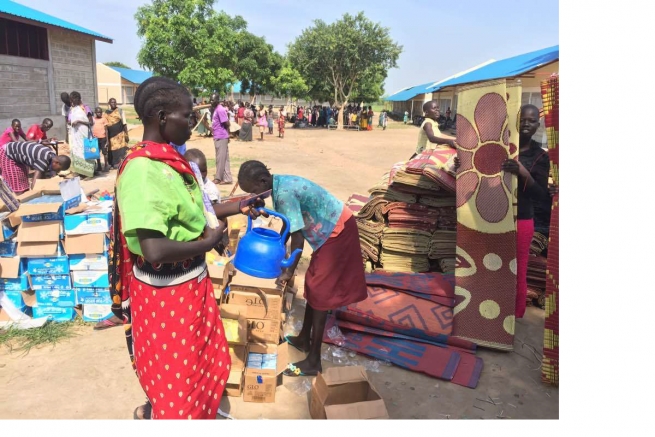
point(160, 285)
point(335, 276)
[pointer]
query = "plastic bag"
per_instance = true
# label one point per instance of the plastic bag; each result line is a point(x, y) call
point(300, 387)
point(335, 334)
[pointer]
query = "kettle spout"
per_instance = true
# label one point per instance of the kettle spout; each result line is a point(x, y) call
point(286, 263)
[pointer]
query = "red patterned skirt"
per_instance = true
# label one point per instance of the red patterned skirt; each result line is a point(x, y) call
point(15, 174)
point(180, 351)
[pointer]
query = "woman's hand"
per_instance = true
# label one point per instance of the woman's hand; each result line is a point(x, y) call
point(553, 189)
point(284, 277)
point(213, 236)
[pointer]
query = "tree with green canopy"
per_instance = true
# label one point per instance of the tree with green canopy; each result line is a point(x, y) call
point(116, 64)
point(257, 64)
point(189, 41)
point(289, 83)
point(350, 56)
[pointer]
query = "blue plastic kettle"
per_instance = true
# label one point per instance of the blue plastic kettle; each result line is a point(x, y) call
point(261, 252)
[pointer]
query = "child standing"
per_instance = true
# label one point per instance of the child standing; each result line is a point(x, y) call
point(261, 121)
point(99, 131)
point(269, 117)
point(208, 186)
point(406, 117)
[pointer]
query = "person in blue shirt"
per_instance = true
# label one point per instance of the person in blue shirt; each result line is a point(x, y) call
point(335, 276)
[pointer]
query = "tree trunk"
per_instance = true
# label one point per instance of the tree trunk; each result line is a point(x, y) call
point(342, 113)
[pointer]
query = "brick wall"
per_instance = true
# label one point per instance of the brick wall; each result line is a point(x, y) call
point(23, 87)
point(73, 64)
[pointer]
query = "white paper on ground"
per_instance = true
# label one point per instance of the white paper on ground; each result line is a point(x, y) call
point(18, 320)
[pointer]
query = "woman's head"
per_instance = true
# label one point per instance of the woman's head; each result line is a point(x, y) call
point(254, 177)
point(529, 122)
point(46, 124)
point(76, 98)
point(112, 103)
point(431, 110)
point(65, 98)
point(164, 107)
point(15, 125)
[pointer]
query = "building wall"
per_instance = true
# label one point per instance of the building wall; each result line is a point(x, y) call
point(30, 88)
point(127, 91)
point(109, 84)
point(23, 87)
point(73, 60)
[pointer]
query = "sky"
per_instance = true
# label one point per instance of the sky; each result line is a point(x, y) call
point(439, 38)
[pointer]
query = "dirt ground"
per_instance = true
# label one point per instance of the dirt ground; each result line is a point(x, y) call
point(89, 376)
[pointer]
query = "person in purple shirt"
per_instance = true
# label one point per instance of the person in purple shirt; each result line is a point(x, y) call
point(221, 129)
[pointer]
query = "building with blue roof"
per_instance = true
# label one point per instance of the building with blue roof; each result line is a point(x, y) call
point(119, 83)
point(529, 69)
point(42, 56)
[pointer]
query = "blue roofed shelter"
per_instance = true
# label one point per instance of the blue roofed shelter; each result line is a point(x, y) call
point(42, 56)
point(528, 68)
point(119, 83)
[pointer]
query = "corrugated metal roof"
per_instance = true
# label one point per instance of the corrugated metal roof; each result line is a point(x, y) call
point(134, 76)
point(506, 68)
point(16, 9)
point(409, 93)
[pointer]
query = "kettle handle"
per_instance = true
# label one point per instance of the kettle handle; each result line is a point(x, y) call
point(285, 220)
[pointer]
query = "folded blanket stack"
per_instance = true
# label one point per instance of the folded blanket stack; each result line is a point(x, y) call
point(442, 244)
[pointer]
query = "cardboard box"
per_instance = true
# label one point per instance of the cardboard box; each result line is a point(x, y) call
point(235, 324)
point(21, 299)
point(94, 261)
point(86, 244)
point(96, 313)
point(8, 249)
point(234, 384)
point(12, 275)
point(94, 219)
point(57, 314)
point(50, 204)
point(90, 279)
point(58, 298)
point(38, 239)
point(260, 384)
point(238, 356)
point(49, 265)
point(261, 303)
point(50, 282)
point(264, 331)
point(345, 393)
point(92, 296)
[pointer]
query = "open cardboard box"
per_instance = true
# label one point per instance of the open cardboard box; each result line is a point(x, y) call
point(234, 315)
point(345, 393)
point(238, 357)
point(260, 384)
point(38, 239)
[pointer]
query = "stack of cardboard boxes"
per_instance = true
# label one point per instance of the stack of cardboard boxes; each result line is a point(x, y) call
point(54, 253)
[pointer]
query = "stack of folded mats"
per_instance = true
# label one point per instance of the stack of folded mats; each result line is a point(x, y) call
point(447, 218)
point(391, 195)
point(442, 244)
point(407, 320)
point(409, 241)
point(436, 165)
point(411, 216)
point(539, 243)
point(370, 234)
point(447, 265)
point(405, 250)
point(536, 279)
point(372, 210)
point(437, 201)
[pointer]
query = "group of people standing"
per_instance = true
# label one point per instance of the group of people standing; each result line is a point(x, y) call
point(318, 116)
point(108, 126)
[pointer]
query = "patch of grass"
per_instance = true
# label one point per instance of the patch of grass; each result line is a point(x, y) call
point(23, 340)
